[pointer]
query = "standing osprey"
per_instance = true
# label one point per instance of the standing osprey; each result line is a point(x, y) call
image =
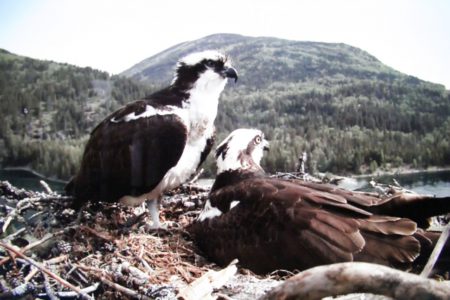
point(270, 223)
point(155, 144)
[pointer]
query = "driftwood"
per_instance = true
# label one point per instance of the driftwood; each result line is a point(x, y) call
point(358, 277)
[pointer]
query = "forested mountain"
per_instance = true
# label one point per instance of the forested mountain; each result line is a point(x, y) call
point(346, 109)
point(341, 105)
point(47, 110)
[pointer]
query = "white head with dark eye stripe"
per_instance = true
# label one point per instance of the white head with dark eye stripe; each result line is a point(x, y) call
point(242, 149)
point(209, 66)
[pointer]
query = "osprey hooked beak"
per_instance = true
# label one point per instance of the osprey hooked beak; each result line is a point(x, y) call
point(231, 73)
point(266, 145)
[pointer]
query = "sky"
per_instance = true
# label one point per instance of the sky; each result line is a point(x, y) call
point(412, 36)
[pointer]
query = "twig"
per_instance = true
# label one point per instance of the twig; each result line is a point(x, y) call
point(86, 290)
point(48, 289)
point(35, 270)
point(44, 270)
point(13, 235)
point(56, 260)
point(436, 252)
point(123, 289)
point(35, 215)
point(195, 178)
point(46, 187)
point(100, 275)
point(31, 274)
point(34, 244)
point(12, 214)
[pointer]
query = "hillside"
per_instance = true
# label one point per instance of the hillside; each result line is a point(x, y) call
point(346, 109)
point(48, 109)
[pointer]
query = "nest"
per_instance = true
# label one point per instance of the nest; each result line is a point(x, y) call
point(52, 251)
point(49, 251)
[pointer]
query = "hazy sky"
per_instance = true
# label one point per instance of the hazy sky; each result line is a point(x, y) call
point(412, 36)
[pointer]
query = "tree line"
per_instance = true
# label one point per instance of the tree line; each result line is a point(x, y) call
point(346, 124)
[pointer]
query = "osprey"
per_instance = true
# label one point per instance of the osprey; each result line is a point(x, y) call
point(155, 144)
point(270, 223)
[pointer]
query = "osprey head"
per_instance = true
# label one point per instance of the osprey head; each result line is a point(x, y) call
point(209, 68)
point(242, 149)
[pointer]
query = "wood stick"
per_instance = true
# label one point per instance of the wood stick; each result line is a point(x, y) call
point(48, 289)
point(100, 275)
point(31, 274)
point(123, 289)
point(45, 270)
point(34, 244)
point(436, 252)
point(46, 187)
point(13, 235)
point(195, 178)
point(71, 294)
point(358, 277)
point(9, 219)
point(35, 270)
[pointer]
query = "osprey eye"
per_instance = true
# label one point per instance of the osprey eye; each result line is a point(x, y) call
point(210, 63)
point(258, 139)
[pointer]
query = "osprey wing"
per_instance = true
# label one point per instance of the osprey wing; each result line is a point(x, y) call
point(281, 225)
point(129, 153)
point(274, 226)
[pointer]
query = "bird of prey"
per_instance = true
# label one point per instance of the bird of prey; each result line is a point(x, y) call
point(154, 144)
point(271, 223)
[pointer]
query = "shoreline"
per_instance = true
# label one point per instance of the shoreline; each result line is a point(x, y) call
point(400, 171)
point(35, 173)
point(405, 170)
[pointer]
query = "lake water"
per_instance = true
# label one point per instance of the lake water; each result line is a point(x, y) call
point(433, 183)
point(29, 180)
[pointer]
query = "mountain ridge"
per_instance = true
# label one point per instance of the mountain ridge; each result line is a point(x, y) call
point(340, 104)
point(305, 94)
point(222, 43)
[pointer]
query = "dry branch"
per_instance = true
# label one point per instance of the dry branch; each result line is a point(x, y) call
point(436, 252)
point(46, 187)
point(45, 270)
point(34, 244)
point(358, 277)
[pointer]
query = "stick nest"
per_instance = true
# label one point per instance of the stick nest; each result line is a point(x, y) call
point(104, 243)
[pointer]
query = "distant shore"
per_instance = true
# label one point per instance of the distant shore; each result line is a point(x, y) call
point(35, 173)
point(400, 171)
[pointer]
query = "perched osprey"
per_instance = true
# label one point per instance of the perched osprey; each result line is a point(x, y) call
point(270, 224)
point(155, 144)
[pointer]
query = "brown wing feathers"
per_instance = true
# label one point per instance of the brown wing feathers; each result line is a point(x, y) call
point(281, 225)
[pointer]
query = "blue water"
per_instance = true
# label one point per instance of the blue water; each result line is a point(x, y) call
point(430, 183)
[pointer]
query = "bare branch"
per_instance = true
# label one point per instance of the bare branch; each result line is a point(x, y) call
point(45, 270)
point(436, 252)
point(358, 277)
